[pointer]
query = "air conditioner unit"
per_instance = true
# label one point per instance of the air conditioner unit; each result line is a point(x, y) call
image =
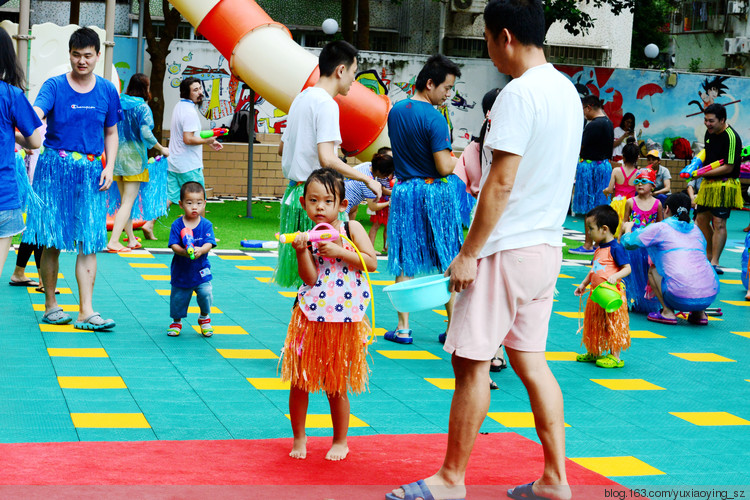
point(730, 46)
point(470, 6)
point(736, 7)
point(743, 45)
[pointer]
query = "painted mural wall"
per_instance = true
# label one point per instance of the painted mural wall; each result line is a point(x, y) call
point(390, 74)
point(662, 111)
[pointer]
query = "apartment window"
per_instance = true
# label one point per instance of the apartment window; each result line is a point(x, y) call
point(184, 31)
point(465, 47)
point(709, 15)
point(576, 55)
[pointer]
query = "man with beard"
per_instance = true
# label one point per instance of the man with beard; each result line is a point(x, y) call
point(185, 143)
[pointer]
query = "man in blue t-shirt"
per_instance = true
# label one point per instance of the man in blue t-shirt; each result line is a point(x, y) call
point(424, 226)
point(71, 177)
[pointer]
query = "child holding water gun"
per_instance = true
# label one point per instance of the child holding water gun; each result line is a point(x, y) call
point(622, 183)
point(191, 238)
point(643, 209)
point(325, 347)
point(603, 331)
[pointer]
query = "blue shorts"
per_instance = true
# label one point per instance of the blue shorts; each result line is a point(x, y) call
point(179, 299)
point(176, 180)
point(11, 223)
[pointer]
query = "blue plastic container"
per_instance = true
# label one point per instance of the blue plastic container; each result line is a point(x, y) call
point(419, 294)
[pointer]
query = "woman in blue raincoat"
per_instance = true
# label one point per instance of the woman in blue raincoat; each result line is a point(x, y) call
point(136, 138)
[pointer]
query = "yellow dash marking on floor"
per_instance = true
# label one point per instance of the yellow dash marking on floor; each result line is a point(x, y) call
point(323, 421)
point(166, 293)
point(514, 418)
point(710, 418)
point(91, 383)
point(645, 334)
point(44, 327)
point(134, 255)
point(289, 295)
point(36, 275)
point(77, 352)
point(741, 303)
point(618, 466)
point(408, 354)
point(147, 265)
point(197, 310)
point(564, 276)
point(628, 384)
point(224, 330)
point(65, 307)
point(236, 257)
point(742, 334)
point(63, 291)
point(254, 268)
point(573, 315)
point(381, 282)
point(156, 277)
point(704, 357)
point(248, 353)
point(263, 280)
point(441, 312)
point(379, 332)
point(110, 420)
point(731, 282)
point(448, 384)
point(270, 384)
point(560, 356)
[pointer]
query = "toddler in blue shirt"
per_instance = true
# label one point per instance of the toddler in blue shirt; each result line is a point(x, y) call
point(191, 273)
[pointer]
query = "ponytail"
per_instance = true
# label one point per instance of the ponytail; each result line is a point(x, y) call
point(679, 206)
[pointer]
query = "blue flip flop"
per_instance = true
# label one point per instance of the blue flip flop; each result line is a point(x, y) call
point(412, 491)
point(525, 491)
point(393, 336)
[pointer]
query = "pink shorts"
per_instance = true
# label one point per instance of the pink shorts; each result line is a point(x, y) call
point(509, 303)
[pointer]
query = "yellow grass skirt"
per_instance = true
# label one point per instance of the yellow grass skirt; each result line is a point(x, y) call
point(331, 357)
point(726, 193)
point(618, 204)
point(604, 332)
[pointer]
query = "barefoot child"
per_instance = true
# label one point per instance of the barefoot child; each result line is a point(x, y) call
point(603, 331)
point(191, 275)
point(325, 346)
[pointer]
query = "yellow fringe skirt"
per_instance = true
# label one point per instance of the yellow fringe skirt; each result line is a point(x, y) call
point(331, 357)
point(726, 193)
point(602, 331)
point(618, 204)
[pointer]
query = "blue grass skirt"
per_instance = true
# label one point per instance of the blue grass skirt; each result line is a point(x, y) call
point(73, 215)
point(425, 230)
point(151, 202)
point(464, 199)
point(592, 178)
point(636, 281)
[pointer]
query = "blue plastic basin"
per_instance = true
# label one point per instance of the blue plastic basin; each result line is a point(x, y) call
point(419, 294)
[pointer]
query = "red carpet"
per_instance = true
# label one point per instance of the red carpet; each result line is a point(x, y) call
point(262, 468)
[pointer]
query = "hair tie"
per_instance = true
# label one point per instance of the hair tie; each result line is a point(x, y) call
point(682, 210)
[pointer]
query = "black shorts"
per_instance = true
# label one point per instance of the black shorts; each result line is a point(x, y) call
point(720, 212)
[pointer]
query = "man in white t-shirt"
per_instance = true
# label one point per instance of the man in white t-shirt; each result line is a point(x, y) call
point(185, 161)
point(506, 270)
point(309, 142)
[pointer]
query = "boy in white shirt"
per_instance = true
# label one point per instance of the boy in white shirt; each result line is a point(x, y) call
point(309, 142)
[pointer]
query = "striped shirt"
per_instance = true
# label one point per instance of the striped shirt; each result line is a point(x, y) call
point(357, 191)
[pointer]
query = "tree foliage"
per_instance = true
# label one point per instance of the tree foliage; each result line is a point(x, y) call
point(650, 25)
point(576, 21)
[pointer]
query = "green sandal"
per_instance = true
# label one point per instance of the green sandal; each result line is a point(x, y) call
point(586, 358)
point(609, 361)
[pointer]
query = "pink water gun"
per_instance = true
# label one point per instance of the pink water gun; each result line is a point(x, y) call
point(321, 232)
point(188, 241)
point(704, 170)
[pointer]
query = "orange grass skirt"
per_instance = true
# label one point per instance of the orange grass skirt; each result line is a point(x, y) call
point(331, 357)
point(602, 331)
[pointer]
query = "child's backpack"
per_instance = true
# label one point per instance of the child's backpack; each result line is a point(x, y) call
point(681, 149)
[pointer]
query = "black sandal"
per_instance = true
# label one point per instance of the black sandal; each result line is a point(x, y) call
point(493, 385)
point(496, 368)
